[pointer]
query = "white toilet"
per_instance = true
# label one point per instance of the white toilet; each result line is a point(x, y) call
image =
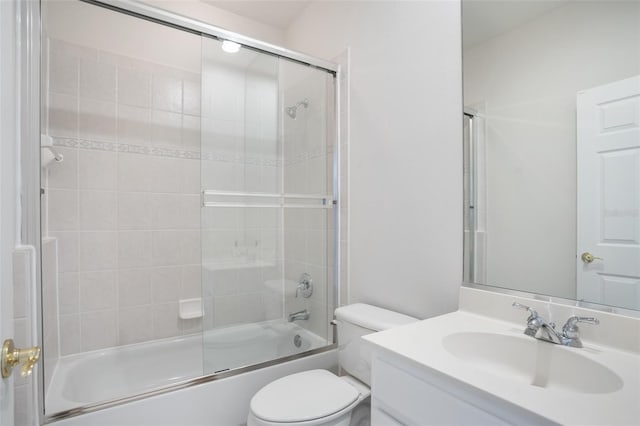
point(319, 397)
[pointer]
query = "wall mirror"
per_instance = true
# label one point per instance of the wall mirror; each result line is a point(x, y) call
point(552, 148)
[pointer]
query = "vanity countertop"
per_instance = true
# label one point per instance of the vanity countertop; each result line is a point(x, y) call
point(422, 343)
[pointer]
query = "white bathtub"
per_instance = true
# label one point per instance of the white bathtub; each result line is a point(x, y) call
point(99, 376)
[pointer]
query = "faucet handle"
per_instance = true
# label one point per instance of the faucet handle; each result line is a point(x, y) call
point(305, 285)
point(571, 326)
point(571, 333)
point(532, 313)
point(534, 322)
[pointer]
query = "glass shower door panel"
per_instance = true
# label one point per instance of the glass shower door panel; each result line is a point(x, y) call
point(468, 203)
point(241, 220)
point(307, 164)
point(261, 233)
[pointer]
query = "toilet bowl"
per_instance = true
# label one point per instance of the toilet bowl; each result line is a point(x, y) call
point(309, 398)
point(319, 397)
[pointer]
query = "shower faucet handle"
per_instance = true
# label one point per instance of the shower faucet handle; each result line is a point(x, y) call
point(305, 285)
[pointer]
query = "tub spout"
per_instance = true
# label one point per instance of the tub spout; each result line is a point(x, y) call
point(300, 315)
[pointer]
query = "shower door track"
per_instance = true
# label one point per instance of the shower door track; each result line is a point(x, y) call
point(163, 17)
point(182, 385)
point(160, 16)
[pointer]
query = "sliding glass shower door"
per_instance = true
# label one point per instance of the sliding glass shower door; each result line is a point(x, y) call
point(267, 206)
point(187, 204)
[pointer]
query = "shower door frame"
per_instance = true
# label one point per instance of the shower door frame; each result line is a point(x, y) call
point(31, 214)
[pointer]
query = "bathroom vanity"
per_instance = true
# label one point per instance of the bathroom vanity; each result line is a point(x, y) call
point(410, 394)
point(471, 368)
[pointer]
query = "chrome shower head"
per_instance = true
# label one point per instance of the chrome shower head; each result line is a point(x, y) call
point(292, 111)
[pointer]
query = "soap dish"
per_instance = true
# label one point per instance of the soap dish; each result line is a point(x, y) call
point(190, 308)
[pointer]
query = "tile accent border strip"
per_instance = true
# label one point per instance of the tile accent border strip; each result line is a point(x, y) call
point(188, 154)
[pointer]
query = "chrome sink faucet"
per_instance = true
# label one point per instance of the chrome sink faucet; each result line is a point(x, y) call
point(538, 328)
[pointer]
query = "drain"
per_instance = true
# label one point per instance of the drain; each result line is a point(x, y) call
point(297, 340)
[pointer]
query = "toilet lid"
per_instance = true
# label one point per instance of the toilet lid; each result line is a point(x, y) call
point(303, 396)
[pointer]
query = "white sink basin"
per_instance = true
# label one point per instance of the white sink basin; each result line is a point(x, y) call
point(532, 361)
point(482, 357)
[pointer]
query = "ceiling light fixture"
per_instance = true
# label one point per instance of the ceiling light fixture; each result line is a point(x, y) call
point(230, 46)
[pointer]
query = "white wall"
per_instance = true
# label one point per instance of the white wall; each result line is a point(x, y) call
point(527, 80)
point(405, 146)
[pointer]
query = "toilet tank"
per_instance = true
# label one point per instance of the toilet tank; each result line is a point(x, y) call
point(355, 321)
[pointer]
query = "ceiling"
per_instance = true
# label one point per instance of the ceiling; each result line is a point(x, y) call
point(481, 19)
point(279, 14)
point(485, 19)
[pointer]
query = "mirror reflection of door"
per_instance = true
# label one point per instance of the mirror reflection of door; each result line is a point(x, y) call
point(523, 64)
point(608, 159)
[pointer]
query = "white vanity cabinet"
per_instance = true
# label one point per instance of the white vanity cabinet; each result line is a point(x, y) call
point(406, 393)
point(464, 368)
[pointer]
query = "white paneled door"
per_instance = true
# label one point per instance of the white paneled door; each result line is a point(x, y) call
point(608, 163)
point(8, 183)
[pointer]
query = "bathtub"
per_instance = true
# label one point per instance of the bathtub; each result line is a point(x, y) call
point(90, 378)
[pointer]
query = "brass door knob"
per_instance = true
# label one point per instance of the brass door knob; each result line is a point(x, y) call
point(12, 357)
point(588, 257)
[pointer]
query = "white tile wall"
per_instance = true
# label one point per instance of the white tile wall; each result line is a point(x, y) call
point(63, 69)
point(97, 290)
point(167, 91)
point(134, 249)
point(167, 127)
point(97, 120)
point(91, 161)
point(63, 115)
point(134, 287)
point(98, 330)
point(64, 177)
point(134, 125)
point(24, 401)
point(165, 320)
point(70, 341)
point(135, 324)
point(97, 79)
point(63, 210)
point(67, 255)
point(97, 210)
point(126, 224)
point(68, 293)
point(134, 87)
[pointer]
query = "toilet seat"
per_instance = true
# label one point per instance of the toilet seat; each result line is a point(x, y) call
point(303, 397)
